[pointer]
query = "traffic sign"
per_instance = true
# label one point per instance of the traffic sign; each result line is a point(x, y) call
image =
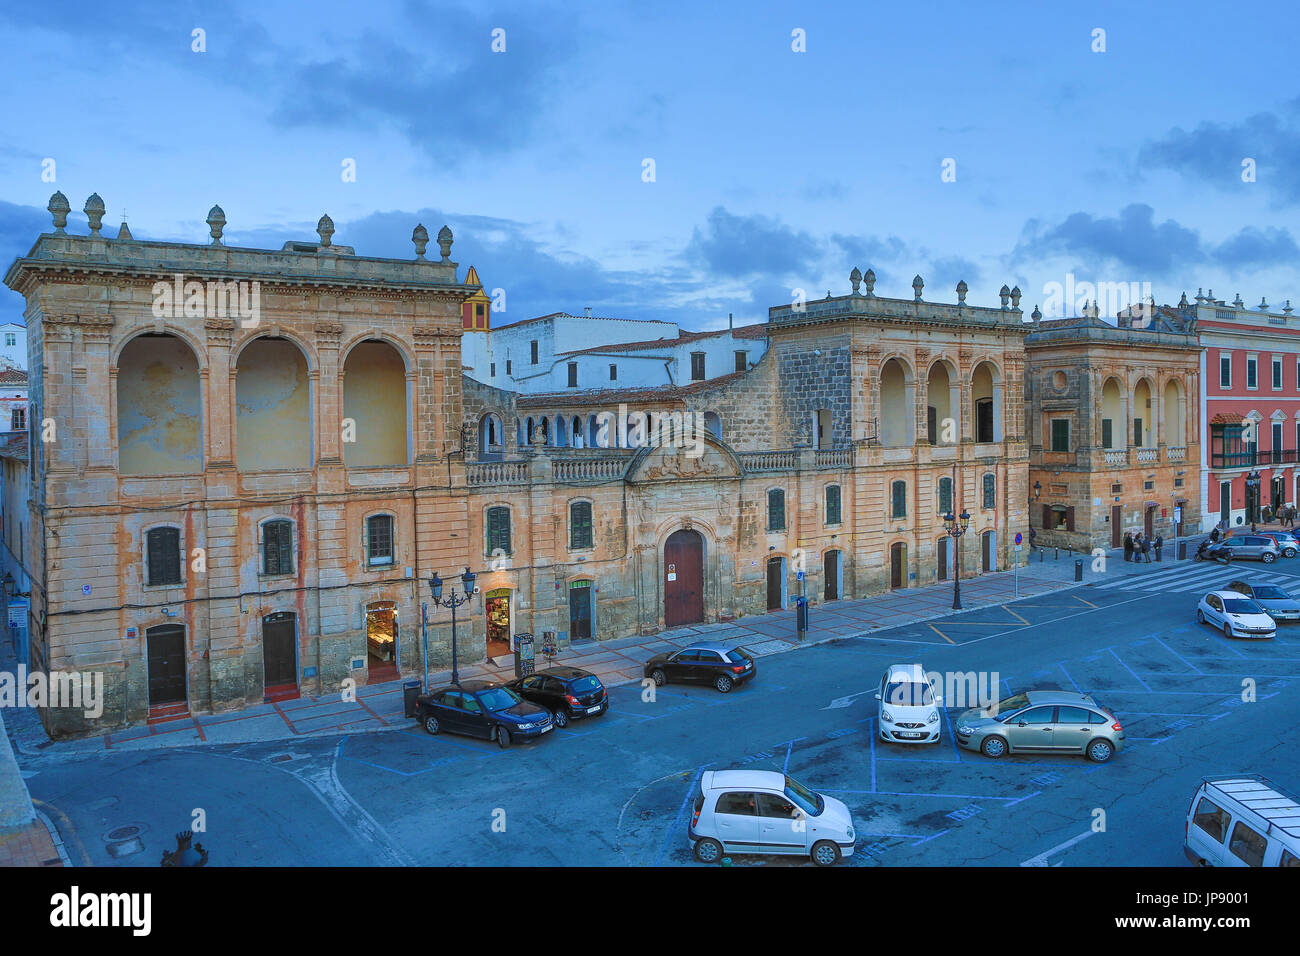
point(1019, 537)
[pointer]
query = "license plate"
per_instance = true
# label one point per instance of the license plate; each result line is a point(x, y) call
point(548, 728)
point(911, 736)
point(593, 710)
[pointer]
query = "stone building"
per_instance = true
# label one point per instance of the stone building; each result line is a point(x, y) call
point(246, 464)
point(1113, 419)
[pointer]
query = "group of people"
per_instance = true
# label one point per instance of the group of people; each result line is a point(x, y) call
point(1285, 516)
point(1138, 546)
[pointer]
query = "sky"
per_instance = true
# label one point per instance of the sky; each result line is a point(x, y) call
point(680, 161)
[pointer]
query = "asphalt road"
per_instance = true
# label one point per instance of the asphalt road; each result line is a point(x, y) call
point(615, 790)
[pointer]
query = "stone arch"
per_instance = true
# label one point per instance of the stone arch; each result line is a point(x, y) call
point(1144, 411)
point(273, 406)
point(1173, 413)
point(943, 393)
point(897, 418)
point(159, 406)
point(986, 398)
point(376, 398)
point(1112, 410)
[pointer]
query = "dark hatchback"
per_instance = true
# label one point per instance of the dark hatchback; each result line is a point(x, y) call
point(704, 662)
point(482, 709)
point(567, 692)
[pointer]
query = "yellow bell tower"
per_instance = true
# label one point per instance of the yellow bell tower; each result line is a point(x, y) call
point(476, 313)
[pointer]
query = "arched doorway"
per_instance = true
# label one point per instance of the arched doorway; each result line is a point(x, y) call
point(165, 647)
point(683, 578)
point(897, 565)
point(496, 606)
point(775, 584)
point(988, 551)
point(943, 553)
point(831, 569)
point(280, 655)
point(381, 641)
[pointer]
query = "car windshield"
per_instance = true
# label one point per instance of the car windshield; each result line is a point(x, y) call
point(1241, 606)
point(909, 694)
point(811, 801)
point(1268, 592)
point(585, 685)
point(1005, 708)
point(498, 698)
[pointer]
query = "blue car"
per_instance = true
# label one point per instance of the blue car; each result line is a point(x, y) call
point(482, 709)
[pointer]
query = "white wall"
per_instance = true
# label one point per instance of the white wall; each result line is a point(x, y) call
point(14, 355)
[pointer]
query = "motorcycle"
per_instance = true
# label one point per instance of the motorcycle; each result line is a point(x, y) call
point(1203, 553)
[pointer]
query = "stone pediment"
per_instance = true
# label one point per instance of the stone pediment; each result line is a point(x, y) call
point(688, 463)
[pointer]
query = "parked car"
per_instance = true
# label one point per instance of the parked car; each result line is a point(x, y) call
point(482, 709)
point(909, 706)
point(704, 662)
point(1246, 546)
point(1042, 721)
point(1279, 605)
point(567, 692)
point(763, 811)
point(1238, 615)
point(1242, 820)
point(1285, 541)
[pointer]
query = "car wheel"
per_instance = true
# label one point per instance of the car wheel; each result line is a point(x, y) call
point(1289, 553)
point(1200, 618)
point(1268, 557)
point(825, 853)
point(659, 677)
point(708, 850)
point(1099, 751)
point(560, 717)
point(431, 724)
point(994, 747)
point(723, 684)
point(503, 737)
point(1227, 629)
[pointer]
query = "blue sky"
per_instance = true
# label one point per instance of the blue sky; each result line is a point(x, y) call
point(774, 170)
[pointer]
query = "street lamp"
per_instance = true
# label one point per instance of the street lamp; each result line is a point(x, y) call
point(1038, 489)
point(452, 601)
point(955, 527)
point(1252, 497)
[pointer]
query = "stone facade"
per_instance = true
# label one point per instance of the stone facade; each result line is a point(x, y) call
point(339, 416)
point(1127, 454)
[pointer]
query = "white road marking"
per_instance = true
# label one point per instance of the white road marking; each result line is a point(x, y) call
point(1041, 859)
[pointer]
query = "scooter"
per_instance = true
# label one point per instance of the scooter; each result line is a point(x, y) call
point(1203, 554)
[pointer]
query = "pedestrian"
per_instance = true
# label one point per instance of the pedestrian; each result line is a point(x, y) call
point(1146, 549)
point(1160, 543)
point(1128, 546)
point(1214, 534)
point(1032, 535)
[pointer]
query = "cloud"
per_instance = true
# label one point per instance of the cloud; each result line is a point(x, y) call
point(19, 228)
point(1133, 239)
point(1257, 248)
point(1213, 152)
point(733, 246)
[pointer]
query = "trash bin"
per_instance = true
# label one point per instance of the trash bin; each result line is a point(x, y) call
point(1182, 550)
point(1078, 569)
point(410, 694)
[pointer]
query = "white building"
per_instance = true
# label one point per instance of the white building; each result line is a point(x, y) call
point(13, 345)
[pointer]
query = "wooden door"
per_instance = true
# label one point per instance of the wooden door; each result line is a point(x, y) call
point(1150, 522)
point(279, 649)
point(897, 564)
point(1116, 532)
point(775, 582)
point(580, 611)
point(941, 549)
point(166, 649)
point(683, 578)
point(987, 549)
point(831, 574)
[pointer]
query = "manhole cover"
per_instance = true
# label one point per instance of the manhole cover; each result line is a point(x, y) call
point(122, 833)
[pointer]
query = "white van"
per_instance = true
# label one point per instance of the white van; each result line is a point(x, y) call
point(1242, 820)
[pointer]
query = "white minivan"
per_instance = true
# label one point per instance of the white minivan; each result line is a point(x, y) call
point(909, 706)
point(1242, 820)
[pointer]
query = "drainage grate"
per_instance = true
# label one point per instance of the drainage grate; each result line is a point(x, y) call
point(122, 833)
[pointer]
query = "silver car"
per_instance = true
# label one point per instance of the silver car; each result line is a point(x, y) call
point(1279, 605)
point(1255, 546)
point(1042, 721)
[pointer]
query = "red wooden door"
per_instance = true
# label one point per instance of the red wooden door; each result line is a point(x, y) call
point(683, 578)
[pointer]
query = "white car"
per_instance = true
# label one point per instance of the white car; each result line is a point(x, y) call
point(762, 811)
point(909, 706)
point(1238, 615)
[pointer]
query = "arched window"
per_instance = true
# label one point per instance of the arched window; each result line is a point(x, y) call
point(273, 424)
point(154, 373)
point(375, 397)
point(162, 556)
point(713, 424)
point(989, 496)
point(580, 530)
point(896, 418)
point(776, 510)
point(277, 546)
point(498, 530)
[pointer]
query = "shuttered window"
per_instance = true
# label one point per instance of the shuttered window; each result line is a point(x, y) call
point(498, 530)
point(898, 500)
point(277, 547)
point(580, 534)
point(163, 550)
point(379, 539)
point(776, 510)
point(990, 486)
point(945, 496)
point(832, 504)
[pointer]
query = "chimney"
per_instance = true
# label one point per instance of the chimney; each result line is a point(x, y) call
point(587, 311)
point(731, 322)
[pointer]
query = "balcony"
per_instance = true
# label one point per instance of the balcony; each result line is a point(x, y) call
point(1252, 458)
point(1176, 453)
point(1146, 455)
point(1116, 457)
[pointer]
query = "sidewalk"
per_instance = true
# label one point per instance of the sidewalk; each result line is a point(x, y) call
point(25, 840)
point(379, 706)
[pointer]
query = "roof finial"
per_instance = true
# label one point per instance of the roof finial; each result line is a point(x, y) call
point(962, 289)
point(94, 213)
point(869, 281)
point(420, 236)
point(216, 224)
point(444, 243)
point(59, 209)
point(325, 229)
point(917, 285)
point(855, 277)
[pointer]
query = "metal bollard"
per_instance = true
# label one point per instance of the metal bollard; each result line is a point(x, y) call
point(1057, 555)
point(1078, 569)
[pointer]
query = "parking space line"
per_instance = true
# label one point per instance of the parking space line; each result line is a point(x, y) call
point(1061, 665)
point(951, 736)
point(1016, 616)
point(1082, 601)
point(1176, 654)
point(1144, 684)
point(686, 801)
point(941, 634)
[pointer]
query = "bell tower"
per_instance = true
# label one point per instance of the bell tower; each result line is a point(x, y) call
point(476, 312)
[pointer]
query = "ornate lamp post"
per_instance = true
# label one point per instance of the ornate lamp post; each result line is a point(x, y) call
point(452, 601)
point(956, 526)
point(1252, 497)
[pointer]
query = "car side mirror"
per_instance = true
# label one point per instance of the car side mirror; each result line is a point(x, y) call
point(798, 814)
point(877, 695)
point(1023, 723)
